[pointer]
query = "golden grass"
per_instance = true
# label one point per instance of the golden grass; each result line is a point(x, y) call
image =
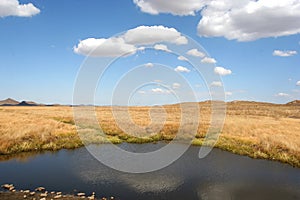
point(259, 130)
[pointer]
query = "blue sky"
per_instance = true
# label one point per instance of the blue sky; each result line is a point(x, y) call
point(39, 63)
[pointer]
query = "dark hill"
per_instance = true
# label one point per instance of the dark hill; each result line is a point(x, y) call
point(27, 103)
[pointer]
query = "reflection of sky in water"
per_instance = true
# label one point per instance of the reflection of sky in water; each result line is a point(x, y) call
point(93, 171)
point(221, 175)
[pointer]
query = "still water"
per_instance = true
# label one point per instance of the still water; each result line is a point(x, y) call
point(221, 175)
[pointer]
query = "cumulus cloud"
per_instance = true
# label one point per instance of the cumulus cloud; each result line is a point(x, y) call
point(284, 53)
point(111, 47)
point(281, 94)
point(182, 69)
point(154, 34)
point(208, 60)
point(162, 47)
point(216, 84)
point(298, 83)
point(182, 58)
point(149, 65)
point(196, 53)
point(248, 20)
point(222, 71)
point(130, 41)
point(242, 20)
point(154, 7)
point(176, 85)
point(160, 91)
point(14, 8)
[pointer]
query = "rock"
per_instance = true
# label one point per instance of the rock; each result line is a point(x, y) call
point(91, 197)
point(43, 198)
point(80, 194)
point(26, 191)
point(57, 196)
point(112, 198)
point(24, 196)
point(8, 186)
point(40, 189)
point(44, 195)
point(32, 193)
point(52, 192)
point(58, 193)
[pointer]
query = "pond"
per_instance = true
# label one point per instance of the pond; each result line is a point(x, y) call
point(220, 175)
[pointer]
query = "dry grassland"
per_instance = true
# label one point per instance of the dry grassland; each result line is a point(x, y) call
point(259, 130)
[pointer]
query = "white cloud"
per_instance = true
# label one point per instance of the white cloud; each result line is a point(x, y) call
point(208, 60)
point(153, 34)
point(14, 8)
point(182, 58)
point(248, 20)
point(129, 42)
point(182, 69)
point(222, 71)
point(175, 7)
point(196, 53)
point(242, 20)
point(216, 84)
point(176, 85)
point(281, 94)
point(284, 53)
point(228, 93)
point(160, 91)
point(162, 47)
point(111, 47)
point(149, 65)
point(298, 83)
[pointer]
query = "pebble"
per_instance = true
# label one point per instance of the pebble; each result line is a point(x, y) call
point(26, 191)
point(43, 198)
point(32, 193)
point(44, 195)
point(40, 189)
point(57, 196)
point(24, 196)
point(8, 186)
point(91, 197)
point(80, 194)
point(58, 193)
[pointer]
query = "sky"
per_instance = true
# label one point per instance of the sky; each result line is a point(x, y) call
point(143, 52)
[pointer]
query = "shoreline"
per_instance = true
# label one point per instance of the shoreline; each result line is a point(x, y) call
point(9, 192)
point(244, 149)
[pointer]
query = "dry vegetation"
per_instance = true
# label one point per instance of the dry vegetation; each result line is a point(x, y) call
point(259, 130)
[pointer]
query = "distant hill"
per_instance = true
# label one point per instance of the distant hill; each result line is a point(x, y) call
point(28, 103)
point(294, 103)
point(9, 102)
point(12, 102)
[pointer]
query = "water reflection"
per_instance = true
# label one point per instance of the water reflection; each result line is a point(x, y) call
point(221, 175)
